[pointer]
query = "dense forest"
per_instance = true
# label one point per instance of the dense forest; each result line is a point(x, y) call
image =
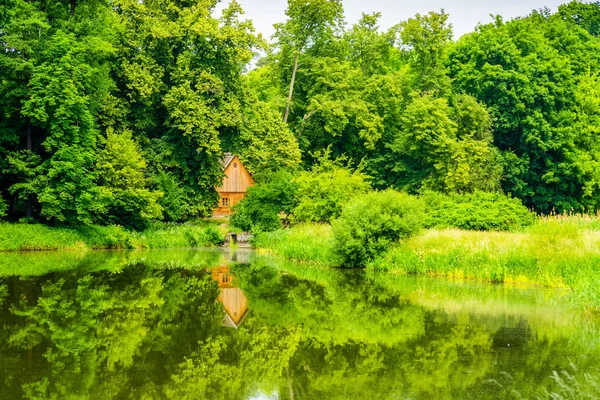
point(118, 111)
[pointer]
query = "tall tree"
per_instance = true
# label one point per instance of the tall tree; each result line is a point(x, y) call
point(180, 90)
point(528, 72)
point(57, 77)
point(311, 25)
point(425, 40)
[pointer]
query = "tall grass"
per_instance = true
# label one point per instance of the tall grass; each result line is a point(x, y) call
point(555, 252)
point(306, 242)
point(548, 254)
point(25, 237)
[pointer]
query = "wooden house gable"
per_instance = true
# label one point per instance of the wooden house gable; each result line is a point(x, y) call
point(237, 178)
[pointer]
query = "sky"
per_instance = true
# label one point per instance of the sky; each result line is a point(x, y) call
point(464, 14)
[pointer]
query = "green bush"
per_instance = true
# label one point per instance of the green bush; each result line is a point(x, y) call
point(369, 224)
point(264, 203)
point(124, 194)
point(475, 211)
point(325, 189)
point(3, 208)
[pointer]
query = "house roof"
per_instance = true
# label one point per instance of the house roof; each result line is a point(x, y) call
point(227, 157)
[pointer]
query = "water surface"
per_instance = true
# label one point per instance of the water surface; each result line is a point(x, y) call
point(212, 324)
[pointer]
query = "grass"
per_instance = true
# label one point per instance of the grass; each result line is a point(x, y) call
point(555, 252)
point(33, 237)
point(546, 255)
point(36, 263)
point(306, 242)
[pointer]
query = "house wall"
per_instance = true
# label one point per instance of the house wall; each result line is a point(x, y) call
point(233, 198)
point(233, 299)
point(237, 180)
point(234, 302)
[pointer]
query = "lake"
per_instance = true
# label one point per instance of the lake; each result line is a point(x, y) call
point(234, 324)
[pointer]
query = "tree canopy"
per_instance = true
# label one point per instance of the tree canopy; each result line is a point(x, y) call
point(119, 111)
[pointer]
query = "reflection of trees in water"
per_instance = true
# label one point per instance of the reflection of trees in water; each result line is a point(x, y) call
point(88, 331)
point(156, 334)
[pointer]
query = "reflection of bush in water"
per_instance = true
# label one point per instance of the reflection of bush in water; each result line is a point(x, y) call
point(340, 307)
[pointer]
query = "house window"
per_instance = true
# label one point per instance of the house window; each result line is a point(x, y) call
point(234, 165)
point(225, 202)
point(225, 278)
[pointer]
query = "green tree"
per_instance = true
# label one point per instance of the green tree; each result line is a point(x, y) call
point(180, 90)
point(426, 39)
point(586, 15)
point(265, 143)
point(324, 190)
point(3, 208)
point(372, 50)
point(57, 77)
point(123, 187)
point(265, 202)
point(310, 25)
point(527, 73)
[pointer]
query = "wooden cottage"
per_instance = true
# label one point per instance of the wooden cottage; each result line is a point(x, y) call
point(237, 179)
point(233, 299)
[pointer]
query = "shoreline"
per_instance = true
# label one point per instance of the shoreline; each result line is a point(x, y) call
point(42, 238)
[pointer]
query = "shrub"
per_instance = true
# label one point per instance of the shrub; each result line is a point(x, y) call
point(324, 190)
point(3, 208)
point(369, 224)
point(173, 200)
point(264, 203)
point(475, 211)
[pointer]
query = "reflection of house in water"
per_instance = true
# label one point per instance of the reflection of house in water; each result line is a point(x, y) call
point(233, 299)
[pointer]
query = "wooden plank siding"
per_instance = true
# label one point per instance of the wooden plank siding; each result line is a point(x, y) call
point(233, 299)
point(237, 180)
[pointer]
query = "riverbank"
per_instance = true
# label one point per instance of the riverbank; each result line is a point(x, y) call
point(554, 253)
point(35, 237)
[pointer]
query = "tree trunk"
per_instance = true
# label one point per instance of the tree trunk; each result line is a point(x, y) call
point(289, 382)
point(289, 99)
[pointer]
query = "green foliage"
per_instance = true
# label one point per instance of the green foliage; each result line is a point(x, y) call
point(173, 199)
point(3, 208)
point(370, 224)
point(325, 189)
point(512, 106)
point(302, 242)
point(427, 38)
point(169, 73)
point(586, 15)
point(443, 147)
point(260, 210)
point(532, 73)
point(27, 237)
point(123, 187)
point(266, 144)
point(475, 211)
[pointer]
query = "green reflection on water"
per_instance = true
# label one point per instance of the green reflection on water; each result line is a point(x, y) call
point(154, 325)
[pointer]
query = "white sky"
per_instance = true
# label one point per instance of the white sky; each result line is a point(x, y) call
point(464, 14)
